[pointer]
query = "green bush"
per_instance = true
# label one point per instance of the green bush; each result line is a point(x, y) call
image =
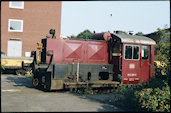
point(29, 75)
point(157, 99)
point(127, 98)
point(2, 68)
point(150, 96)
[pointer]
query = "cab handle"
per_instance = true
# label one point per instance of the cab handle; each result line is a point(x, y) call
point(120, 65)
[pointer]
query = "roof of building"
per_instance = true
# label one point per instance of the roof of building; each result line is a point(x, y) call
point(62, 36)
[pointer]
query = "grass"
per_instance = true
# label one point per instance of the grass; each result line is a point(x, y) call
point(29, 75)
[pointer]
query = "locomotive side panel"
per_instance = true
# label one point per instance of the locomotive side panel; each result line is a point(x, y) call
point(87, 72)
point(56, 46)
point(96, 52)
point(73, 51)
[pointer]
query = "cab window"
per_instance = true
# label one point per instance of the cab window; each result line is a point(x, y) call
point(128, 52)
point(116, 49)
point(145, 52)
point(131, 52)
point(135, 52)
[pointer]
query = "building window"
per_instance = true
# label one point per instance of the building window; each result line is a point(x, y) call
point(131, 52)
point(27, 54)
point(16, 4)
point(15, 25)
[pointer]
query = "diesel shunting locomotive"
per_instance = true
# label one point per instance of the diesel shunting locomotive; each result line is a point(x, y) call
point(105, 60)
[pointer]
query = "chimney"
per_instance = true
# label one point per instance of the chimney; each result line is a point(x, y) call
point(119, 32)
point(130, 32)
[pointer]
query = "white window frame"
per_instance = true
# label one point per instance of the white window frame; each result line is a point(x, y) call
point(22, 7)
point(9, 20)
point(132, 51)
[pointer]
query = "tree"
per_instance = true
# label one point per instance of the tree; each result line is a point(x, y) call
point(139, 34)
point(72, 36)
point(86, 34)
point(163, 48)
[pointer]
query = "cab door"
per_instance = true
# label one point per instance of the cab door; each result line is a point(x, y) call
point(131, 63)
point(145, 63)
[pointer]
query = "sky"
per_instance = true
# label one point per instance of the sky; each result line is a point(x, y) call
point(136, 16)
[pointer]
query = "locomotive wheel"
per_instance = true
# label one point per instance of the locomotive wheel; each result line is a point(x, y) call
point(35, 82)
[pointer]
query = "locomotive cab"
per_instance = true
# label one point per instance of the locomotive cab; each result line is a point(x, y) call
point(132, 57)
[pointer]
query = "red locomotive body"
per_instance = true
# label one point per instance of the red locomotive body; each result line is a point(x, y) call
point(88, 52)
point(103, 61)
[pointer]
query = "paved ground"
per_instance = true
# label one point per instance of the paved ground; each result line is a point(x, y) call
point(18, 95)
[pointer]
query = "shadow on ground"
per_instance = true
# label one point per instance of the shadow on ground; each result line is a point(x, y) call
point(107, 108)
point(20, 81)
point(104, 99)
point(27, 82)
point(108, 99)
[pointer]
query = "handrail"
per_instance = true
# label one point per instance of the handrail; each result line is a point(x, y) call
point(120, 58)
point(78, 64)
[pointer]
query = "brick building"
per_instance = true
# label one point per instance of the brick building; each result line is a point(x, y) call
point(24, 23)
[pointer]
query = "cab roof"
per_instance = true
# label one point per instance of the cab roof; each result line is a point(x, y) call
point(125, 38)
